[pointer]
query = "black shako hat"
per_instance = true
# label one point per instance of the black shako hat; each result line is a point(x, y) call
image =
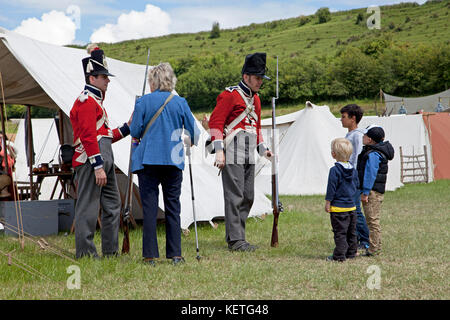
point(255, 64)
point(96, 63)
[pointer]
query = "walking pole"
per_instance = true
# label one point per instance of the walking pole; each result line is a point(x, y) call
point(188, 152)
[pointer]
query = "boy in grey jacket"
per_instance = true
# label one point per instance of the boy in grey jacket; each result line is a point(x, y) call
point(351, 115)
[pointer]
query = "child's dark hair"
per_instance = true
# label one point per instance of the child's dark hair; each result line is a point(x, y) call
point(353, 110)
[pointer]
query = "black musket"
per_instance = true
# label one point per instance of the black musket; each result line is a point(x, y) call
point(276, 204)
point(126, 214)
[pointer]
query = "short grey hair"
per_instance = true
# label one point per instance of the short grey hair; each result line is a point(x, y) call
point(162, 77)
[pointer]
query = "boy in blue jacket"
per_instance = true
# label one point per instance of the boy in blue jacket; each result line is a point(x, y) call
point(372, 174)
point(339, 201)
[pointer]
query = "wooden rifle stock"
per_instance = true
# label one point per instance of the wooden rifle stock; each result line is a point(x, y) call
point(276, 213)
point(126, 239)
point(126, 214)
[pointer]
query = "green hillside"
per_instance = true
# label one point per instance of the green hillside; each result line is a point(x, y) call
point(333, 62)
point(405, 23)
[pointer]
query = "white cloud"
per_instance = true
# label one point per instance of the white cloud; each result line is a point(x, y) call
point(54, 27)
point(194, 19)
point(134, 25)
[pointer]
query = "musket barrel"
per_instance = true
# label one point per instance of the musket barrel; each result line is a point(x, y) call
point(275, 199)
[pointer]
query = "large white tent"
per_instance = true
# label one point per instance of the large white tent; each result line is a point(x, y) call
point(46, 75)
point(304, 148)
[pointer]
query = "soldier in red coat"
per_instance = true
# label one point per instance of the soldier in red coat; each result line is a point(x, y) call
point(93, 161)
point(235, 129)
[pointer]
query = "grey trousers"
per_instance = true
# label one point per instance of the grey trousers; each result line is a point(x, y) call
point(238, 178)
point(90, 198)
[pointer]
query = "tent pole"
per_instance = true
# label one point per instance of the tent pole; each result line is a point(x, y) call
point(381, 99)
point(30, 152)
point(61, 127)
point(4, 146)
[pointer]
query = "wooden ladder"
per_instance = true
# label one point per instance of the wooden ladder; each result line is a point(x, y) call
point(414, 168)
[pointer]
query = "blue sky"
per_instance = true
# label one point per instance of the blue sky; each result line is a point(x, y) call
point(83, 21)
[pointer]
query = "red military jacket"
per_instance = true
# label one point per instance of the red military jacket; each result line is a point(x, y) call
point(90, 124)
point(230, 105)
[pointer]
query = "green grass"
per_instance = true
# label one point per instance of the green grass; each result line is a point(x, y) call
point(414, 263)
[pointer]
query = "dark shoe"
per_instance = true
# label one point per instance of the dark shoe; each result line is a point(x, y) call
point(370, 254)
point(233, 245)
point(331, 258)
point(241, 246)
point(150, 261)
point(88, 255)
point(251, 247)
point(178, 260)
point(111, 255)
point(366, 254)
point(363, 246)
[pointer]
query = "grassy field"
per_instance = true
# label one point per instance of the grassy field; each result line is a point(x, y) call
point(414, 263)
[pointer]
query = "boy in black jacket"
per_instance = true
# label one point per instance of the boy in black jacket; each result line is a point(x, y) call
point(372, 174)
point(339, 201)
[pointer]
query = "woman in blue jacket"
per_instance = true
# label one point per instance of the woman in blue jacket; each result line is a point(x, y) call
point(159, 159)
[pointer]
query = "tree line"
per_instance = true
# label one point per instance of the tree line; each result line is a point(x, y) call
point(353, 72)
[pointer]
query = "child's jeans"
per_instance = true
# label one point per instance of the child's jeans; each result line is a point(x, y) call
point(362, 230)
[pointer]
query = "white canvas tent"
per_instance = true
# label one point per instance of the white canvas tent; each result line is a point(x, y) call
point(41, 74)
point(304, 151)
